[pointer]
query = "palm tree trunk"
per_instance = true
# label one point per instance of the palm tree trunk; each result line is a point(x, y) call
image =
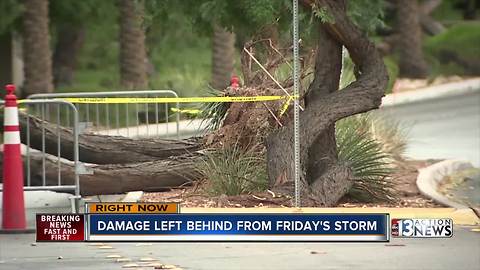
point(409, 44)
point(70, 41)
point(133, 74)
point(222, 57)
point(36, 48)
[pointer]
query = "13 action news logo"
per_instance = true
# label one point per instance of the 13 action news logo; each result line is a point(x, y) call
point(422, 228)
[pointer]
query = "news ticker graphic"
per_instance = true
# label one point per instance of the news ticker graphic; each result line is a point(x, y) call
point(163, 222)
point(422, 228)
point(237, 227)
point(60, 227)
point(132, 208)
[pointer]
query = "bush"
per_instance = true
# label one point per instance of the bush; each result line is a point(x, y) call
point(390, 134)
point(368, 145)
point(233, 171)
point(213, 113)
point(455, 51)
point(393, 70)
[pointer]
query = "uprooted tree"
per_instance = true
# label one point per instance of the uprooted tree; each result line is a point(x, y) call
point(324, 179)
point(156, 164)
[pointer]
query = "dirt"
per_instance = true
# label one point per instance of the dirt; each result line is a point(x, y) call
point(407, 194)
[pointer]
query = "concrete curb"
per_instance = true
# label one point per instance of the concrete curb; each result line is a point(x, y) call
point(133, 196)
point(433, 92)
point(430, 178)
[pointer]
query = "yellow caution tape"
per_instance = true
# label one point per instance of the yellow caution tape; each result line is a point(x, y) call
point(285, 105)
point(187, 111)
point(124, 100)
point(137, 100)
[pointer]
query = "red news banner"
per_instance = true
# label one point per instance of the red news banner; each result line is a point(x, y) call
point(60, 227)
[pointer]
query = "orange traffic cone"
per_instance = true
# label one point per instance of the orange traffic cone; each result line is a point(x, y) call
point(13, 209)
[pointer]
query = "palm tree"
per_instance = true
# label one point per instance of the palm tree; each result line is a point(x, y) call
point(36, 48)
point(70, 41)
point(412, 63)
point(223, 51)
point(133, 74)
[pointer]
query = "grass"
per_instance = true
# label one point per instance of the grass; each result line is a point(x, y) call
point(233, 171)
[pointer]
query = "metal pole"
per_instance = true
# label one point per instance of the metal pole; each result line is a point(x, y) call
point(76, 198)
point(296, 109)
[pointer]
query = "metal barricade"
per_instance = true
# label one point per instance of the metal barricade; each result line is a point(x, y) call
point(119, 119)
point(40, 180)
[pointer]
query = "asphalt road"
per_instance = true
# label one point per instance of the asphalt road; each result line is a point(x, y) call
point(441, 128)
point(460, 252)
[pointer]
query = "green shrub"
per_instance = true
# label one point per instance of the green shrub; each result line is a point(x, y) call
point(213, 113)
point(460, 42)
point(390, 134)
point(233, 171)
point(393, 70)
point(361, 148)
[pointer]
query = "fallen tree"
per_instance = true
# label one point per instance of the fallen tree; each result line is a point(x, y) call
point(115, 179)
point(324, 180)
point(101, 149)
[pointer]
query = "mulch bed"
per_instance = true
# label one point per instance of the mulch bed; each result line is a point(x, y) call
point(407, 194)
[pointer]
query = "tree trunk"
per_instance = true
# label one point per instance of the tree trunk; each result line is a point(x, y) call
point(101, 149)
point(114, 179)
point(470, 10)
point(133, 64)
point(223, 53)
point(324, 182)
point(411, 63)
point(70, 41)
point(328, 64)
point(430, 25)
point(36, 48)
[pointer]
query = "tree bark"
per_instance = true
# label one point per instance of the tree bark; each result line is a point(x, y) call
point(70, 41)
point(36, 48)
point(223, 52)
point(326, 182)
point(470, 9)
point(115, 179)
point(101, 149)
point(133, 59)
point(328, 64)
point(429, 25)
point(411, 63)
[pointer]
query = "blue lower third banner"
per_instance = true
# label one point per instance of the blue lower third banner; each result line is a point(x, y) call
point(237, 227)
